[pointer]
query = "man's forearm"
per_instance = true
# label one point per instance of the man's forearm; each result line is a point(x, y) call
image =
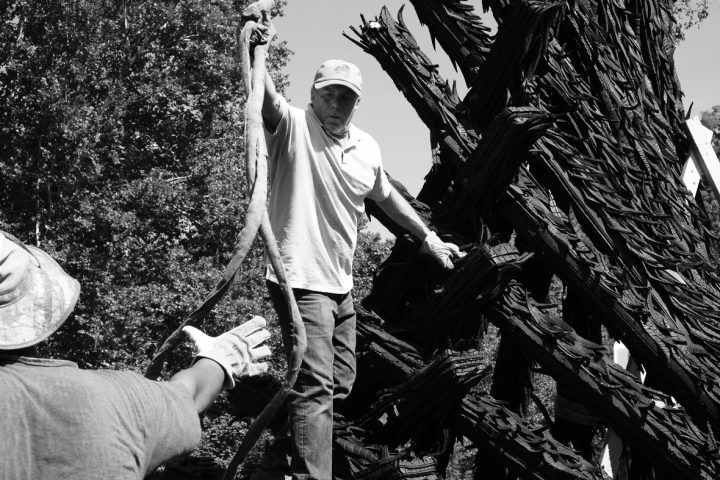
point(204, 380)
point(402, 213)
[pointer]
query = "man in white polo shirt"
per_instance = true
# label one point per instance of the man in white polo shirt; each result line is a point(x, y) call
point(322, 168)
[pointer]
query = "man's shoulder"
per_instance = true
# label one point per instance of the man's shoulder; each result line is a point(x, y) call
point(294, 114)
point(365, 140)
point(293, 109)
point(361, 134)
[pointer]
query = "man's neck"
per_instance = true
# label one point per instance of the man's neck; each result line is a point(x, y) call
point(341, 137)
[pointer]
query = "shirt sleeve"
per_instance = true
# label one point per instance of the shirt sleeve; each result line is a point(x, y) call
point(279, 140)
point(382, 188)
point(177, 424)
point(156, 420)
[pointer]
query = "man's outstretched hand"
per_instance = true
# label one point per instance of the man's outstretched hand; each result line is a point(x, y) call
point(442, 253)
point(236, 351)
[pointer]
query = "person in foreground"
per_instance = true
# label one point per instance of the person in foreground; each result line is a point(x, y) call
point(61, 422)
point(322, 168)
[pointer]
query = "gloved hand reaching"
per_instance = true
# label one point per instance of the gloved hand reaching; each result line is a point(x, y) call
point(441, 252)
point(236, 351)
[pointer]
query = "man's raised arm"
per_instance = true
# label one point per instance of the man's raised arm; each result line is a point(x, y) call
point(259, 12)
point(271, 109)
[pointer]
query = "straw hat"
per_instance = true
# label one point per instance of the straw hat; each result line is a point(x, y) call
point(36, 295)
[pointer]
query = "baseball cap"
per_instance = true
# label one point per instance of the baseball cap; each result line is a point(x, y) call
point(338, 72)
point(36, 295)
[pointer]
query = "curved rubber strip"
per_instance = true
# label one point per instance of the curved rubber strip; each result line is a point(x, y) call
point(300, 343)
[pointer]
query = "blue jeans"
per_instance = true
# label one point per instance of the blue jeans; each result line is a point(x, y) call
point(326, 375)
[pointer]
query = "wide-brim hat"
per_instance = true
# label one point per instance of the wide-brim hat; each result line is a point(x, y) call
point(36, 295)
point(338, 72)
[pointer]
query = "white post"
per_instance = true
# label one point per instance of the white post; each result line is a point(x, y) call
point(702, 155)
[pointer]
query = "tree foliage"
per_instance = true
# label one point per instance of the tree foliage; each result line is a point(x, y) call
point(122, 133)
point(689, 13)
point(711, 119)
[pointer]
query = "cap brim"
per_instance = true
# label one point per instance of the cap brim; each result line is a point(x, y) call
point(344, 83)
point(50, 297)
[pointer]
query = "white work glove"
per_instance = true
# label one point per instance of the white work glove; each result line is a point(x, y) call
point(441, 252)
point(236, 350)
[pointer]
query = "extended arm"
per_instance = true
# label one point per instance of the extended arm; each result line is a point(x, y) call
point(271, 110)
point(402, 213)
point(204, 380)
point(264, 31)
point(221, 359)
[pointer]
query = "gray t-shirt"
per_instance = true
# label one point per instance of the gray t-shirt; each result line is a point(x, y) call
point(60, 422)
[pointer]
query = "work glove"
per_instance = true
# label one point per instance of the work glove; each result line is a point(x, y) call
point(259, 13)
point(236, 351)
point(441, 252)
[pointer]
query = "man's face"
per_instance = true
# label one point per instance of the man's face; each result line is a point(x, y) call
point(334, 105)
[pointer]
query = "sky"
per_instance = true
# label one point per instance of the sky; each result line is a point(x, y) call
point(313, 30)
